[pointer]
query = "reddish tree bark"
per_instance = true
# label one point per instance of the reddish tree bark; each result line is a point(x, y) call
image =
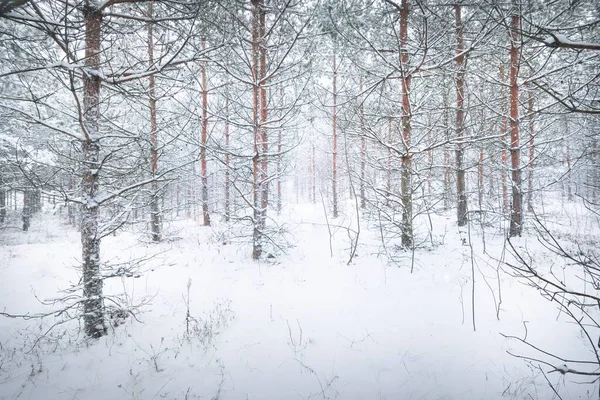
point(406, 178)
point(93, 300)
point(516, 219)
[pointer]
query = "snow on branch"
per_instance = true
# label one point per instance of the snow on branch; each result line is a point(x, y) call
point(557, 40)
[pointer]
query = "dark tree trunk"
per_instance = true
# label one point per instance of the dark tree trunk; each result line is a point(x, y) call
point(93, 299)
point(388, 166)
point(406, 178)
point(279, 172)
point(516, 217)
point(531, 150)
point(257, 232)
point(154, 195)
point(313, 175)
point(2, 202)
point(334, 182)
point(203, 165)
point(503, 143)
point(264, 201)
point(461, 208)
point(363, 150)
point(26, 213)
point(227, 164)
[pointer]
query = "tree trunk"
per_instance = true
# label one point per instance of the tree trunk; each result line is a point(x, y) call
point(154, 195)
point(503, 132)
point(279, 155)
point(314, 175)
point(447, 166)
point(334, 182)
point(406, 178)
point(257, 183)
point(71, 206)
point(363, 150)
point(227, 164)
point(568, 175)
point(480, 176)
point(531, 150)
point(93, 299)
point(461, 208)
point(263, 115)
point(205, 214)
point(26, 213)
point(516, 217)
point(2, 201)
point(388, 166)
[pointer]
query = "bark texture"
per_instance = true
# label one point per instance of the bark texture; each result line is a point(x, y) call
point(461, 207)
point(406, 177)
point(516, 215)
point(93, 299)
point(154, 194)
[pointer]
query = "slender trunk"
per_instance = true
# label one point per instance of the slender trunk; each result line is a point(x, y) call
point(227, 163)
point(363, 150)
point(26, 213)
point(177, 198)
point(154, 196)
point(263, 115)
point(70, 205)
point(480, 175)
point(503, 133)
point(204, 172)
point(460, 119)
point(406, 178)
point(279, 156)
point(568, 177)
point(388, 166)
point(429, 162)
point(314, 175)
point(595, 182)
point(2, 201)
point(279, 148)
point(531, 150)
point(93, 299)
point(256, 111)
point(334, 182)
point(447, 166)
point(516, 219)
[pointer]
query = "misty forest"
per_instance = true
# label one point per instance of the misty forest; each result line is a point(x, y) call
point(286, 199)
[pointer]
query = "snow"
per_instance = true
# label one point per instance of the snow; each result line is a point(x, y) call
point(304, 325)
point(557, 40)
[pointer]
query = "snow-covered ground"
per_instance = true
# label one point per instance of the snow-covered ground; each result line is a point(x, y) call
point(304, 325)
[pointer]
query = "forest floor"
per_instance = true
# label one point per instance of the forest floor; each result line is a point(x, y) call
point(213, 324)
